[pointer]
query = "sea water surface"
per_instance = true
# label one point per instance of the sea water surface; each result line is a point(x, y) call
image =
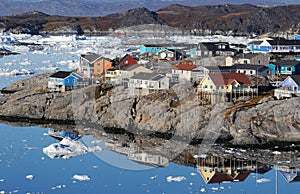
point(21, 154)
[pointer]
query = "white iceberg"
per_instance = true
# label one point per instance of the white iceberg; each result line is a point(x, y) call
point(81, 177)
point(263, 180)
point(68, 148)
point(203, 190)
point(30, 177)
point(175, 179)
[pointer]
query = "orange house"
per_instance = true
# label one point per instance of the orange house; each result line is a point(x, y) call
point(101, 65)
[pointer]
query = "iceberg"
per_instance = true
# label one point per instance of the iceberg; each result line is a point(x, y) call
point(81, 177)
point(68, 148)
point(263, 180)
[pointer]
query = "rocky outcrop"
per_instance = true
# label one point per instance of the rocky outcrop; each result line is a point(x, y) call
point(176, 113)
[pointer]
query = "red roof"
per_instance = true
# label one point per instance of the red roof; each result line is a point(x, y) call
point(223, 79)
point(128, 60)
point(186, 67)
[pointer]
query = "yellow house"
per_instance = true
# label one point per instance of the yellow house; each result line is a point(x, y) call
point(225, 82)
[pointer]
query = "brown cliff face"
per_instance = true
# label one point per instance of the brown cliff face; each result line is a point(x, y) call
point(217, 19)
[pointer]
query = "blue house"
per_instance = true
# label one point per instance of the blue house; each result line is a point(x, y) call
point(291, 175)
point(63, 81)
point(286, 67)
point(294, 37)
point(291, 83)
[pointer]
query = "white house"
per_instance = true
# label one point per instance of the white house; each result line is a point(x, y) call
point(155, 81)
point(183, 71)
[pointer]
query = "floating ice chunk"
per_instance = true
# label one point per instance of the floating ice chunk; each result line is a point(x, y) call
point(2, 192)
point(81, 177)
point(154, 177)
point(203, 190)
point(175, 179)
point(30, 177)
point(215, 188)
point(1, 180)
point(263, 180)
point(193, 174)
point(68, 148)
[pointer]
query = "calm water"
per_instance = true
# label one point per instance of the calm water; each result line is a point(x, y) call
point(21, 154)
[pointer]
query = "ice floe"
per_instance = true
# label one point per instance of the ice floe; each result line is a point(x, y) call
point(203, 190)
point(81, 177)
point(175, 179)
point(30, 177)
point(68, 148)
point(263, 180)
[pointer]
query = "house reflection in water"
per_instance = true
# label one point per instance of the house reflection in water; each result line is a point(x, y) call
point(134, 153)
point(214, 169)
point(289, 174)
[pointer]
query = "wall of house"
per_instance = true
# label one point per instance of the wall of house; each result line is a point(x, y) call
point(183, 74)
point(70, 81)
point(287, 70)
point(101, 65)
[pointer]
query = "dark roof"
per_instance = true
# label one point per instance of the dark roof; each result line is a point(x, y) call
point(296, 78)
point(91, 57)
point(148, 76)
point(218, 68)
point(249, 66)
point(283, 42)
point(287, 63)
point(246, 55)
point(257, 42)
point(61, 74)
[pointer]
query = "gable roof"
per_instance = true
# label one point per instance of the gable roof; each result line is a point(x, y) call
point(90, 57)
point(148, 76)
point(256, 42)
point(283, 42)
point(61, 74)
point(248, 66)
point(246, 55)
point(130, 60)
point(296, 79)
point(213, 46)
point(221, 79)
point(186, 67)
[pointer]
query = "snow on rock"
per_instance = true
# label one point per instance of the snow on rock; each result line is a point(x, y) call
point(81, 177)
point(30, 177)
point(175, 179)
point(263, 180)
point(68, 148)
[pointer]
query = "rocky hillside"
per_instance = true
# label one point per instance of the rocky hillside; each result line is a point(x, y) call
point(217, 19)
point(175, 113)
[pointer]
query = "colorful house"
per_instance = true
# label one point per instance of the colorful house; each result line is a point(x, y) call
point(225, 82)
point(63, 81)
point(127, 60)
point(275, 45)
point(87, 63)
point(291, 83)
point(286, 67)
point(101, 65)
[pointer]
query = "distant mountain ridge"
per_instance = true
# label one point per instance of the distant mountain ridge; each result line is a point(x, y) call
point(200, 20)
point(105, 7)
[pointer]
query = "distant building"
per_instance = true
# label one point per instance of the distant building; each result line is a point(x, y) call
point(248, 58)
point(87, 62)
point(285, 67)
point(63, 80)
point(276, 45)
point(208, 49)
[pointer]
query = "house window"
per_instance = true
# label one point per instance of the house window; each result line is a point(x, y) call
point(289, 69)
point(244, 71)
point(251, 72)
point(98, 64)
point(245, 61)
point(258, 61)
point(211, 87)
point(205, 86)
